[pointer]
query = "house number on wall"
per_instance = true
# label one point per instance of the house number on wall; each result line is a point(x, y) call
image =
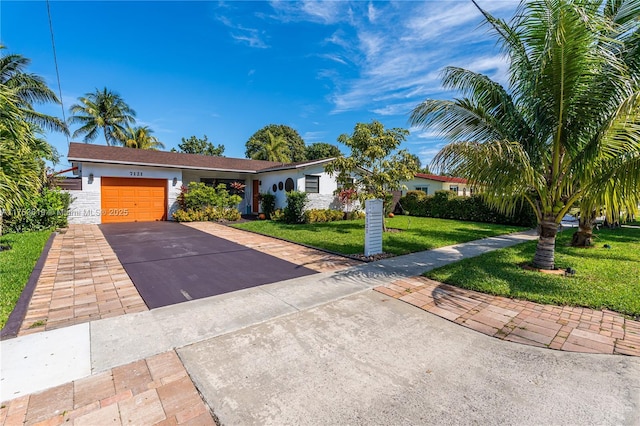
point(135, 173)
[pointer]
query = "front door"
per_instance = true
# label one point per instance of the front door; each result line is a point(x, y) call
point(256, 197)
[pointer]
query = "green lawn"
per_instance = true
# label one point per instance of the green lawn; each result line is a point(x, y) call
point(16, 266)
point(347, 237)
point(605, 278)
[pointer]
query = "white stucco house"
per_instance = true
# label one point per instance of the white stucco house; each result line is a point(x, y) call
point(131, 185)
point(429, 184)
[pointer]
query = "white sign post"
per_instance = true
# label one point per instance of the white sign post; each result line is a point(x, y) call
point(373, 227)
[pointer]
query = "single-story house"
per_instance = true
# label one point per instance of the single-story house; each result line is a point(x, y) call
point(429, 184)
point(129, 185)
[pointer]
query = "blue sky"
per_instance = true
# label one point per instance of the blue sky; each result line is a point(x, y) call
point(226, 69)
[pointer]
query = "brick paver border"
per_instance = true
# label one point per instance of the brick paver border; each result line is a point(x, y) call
point(308, 257)
point(556, 327)
point(156, 390)
point(81, 281)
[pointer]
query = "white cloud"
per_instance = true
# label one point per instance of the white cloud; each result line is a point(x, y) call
point(314, 136)
point(249, 36)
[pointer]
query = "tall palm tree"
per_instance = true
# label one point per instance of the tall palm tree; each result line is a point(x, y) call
point(276, 149)
point(101, 110)
point(29, 89)
point(140, 138)
point(573, 99)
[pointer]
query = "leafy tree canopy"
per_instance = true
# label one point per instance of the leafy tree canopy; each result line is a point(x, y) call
point(568, 121)
point(195, 145)
point(140, 137)
point(275, 149)
point(320, 150)
point(295, 146)
point(102, 109)
point(374, 149)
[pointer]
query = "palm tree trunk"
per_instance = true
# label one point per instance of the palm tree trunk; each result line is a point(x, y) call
point(105, 136)
point(583, 237)
point(545, 251)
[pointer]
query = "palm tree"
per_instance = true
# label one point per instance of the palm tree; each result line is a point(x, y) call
point(140, 138)
point(275, 149)
point(101, 110)
point(29, 89)
point(573, 100)
point(22, 152)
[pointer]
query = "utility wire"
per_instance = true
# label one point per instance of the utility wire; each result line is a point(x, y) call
point(55, 61)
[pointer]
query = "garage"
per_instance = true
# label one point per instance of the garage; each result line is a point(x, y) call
point(133, 199)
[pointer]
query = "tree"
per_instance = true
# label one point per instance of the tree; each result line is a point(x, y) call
point(375, 161)
point(28, 89)
point(275, 149)
point(23, 153)
point(321, 150)
point(295, 145)
point(140, 137)
point(573, 100)
point(195, 145)
point(101, 110)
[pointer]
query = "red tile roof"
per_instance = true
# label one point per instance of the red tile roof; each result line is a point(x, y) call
point(441, 178)
point(81, 152)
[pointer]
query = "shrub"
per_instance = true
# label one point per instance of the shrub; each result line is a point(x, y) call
point(48, 209)
point(294, 212)
point(358, 214)
point(268, 203)
point(278, 215)
point(198, 195)
point(322, 215)
point(446, 205)
point(207, 214)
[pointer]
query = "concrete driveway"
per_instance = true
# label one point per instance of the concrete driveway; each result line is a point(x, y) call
point(171, 263)
point(370, 359)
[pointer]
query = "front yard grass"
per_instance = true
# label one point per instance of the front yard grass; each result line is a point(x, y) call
point(347, 237)
point(606, 278)
point(16, 265)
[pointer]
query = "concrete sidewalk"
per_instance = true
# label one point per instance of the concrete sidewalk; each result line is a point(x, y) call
point(40, 361)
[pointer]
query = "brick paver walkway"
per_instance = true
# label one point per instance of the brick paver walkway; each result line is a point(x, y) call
point(556, 327)
point(152, 391)
point(82, 280)
point(316, 260)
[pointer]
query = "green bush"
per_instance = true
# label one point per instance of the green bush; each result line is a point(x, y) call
point(199, 202)
point(268, 203)
point(322, 215)
point(355, 215)
point(446, 205)
point(198, 195)
point(48, 209)
point(278, 215)
point(294, 212)
point(212, 214)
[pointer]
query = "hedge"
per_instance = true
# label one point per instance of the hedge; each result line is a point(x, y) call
point(446, 205)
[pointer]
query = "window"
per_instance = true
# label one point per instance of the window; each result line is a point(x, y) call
point(312, 184)
point(454, 189)
point(288, 185)
point(424, 189)
point(464, 192)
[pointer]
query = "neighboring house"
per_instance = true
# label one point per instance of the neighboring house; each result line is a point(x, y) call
point(429, 184)
point(133, 185)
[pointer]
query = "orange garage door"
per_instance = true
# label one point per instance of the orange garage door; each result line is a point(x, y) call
point(133, 199)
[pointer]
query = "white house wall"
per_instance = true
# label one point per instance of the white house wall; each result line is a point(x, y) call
point(434, 186)
point(324, 199)
point(86, 206)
